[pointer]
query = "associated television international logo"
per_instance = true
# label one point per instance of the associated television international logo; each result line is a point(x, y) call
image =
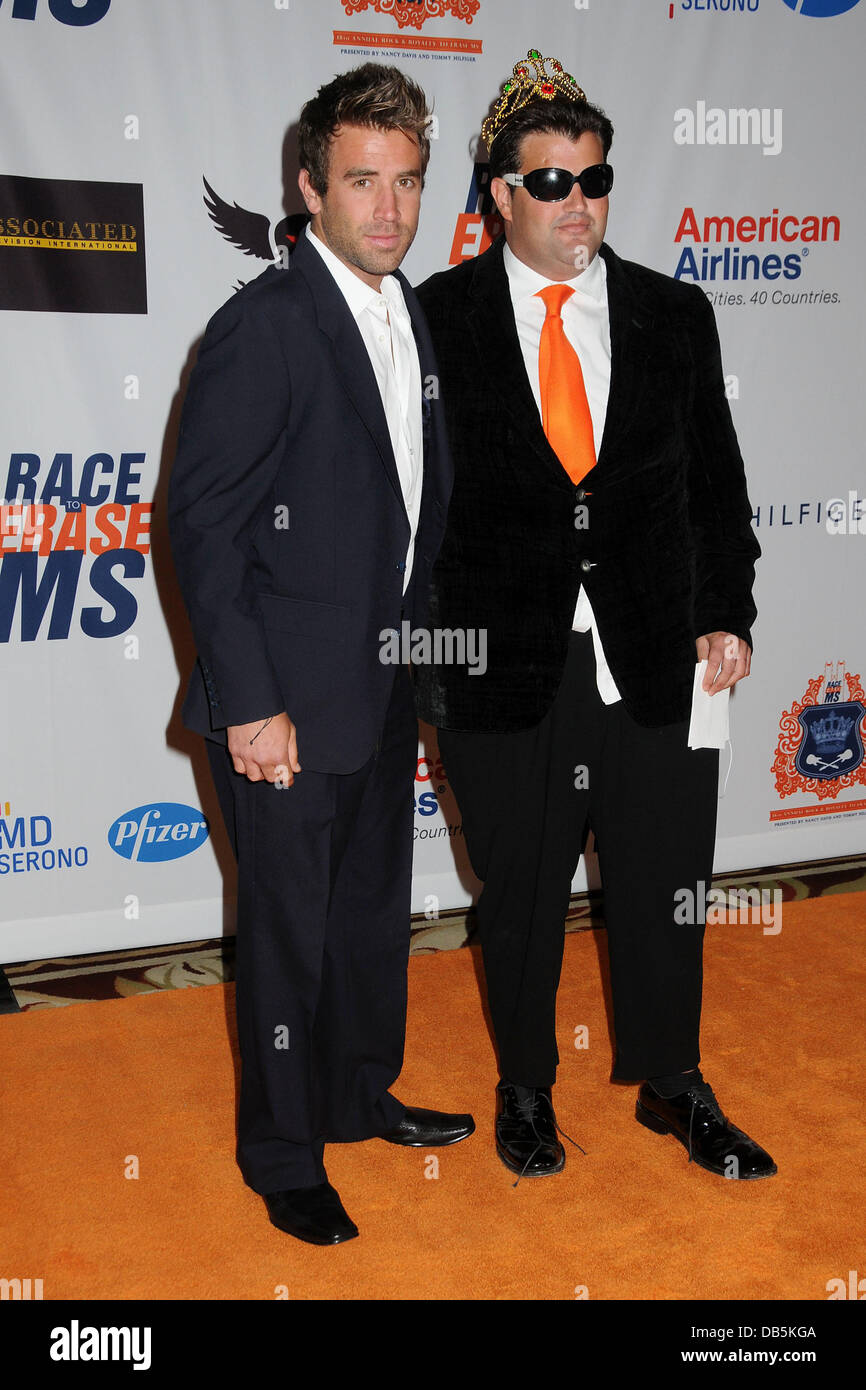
point(72, 246)
point(820, 9)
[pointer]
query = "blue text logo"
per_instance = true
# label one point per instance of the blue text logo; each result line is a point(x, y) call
point(163, 830)
point(820, 9)
point(75, 12)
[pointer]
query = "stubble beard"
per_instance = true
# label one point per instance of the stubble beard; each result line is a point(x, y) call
point(350, 246)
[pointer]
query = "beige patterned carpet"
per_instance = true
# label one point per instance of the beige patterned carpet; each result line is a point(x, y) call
point(120, 974)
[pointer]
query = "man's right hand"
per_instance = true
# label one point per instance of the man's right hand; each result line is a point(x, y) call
point(273, 754)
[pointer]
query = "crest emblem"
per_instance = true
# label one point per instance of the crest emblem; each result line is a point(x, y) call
point(821, 747)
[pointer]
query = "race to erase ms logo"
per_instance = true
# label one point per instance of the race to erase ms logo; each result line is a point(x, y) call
point(70, 530)
point(821, 748)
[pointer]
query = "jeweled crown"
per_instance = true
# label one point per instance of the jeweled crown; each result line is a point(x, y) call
point(530, 80)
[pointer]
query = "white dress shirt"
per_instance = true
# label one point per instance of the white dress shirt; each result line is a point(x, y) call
point(386, 328)
point(586, 322)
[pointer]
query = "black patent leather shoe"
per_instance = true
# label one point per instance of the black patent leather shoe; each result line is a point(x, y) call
point(313, 1214)
point(695, 1118)
point(526, 1136)
point(423, 1129)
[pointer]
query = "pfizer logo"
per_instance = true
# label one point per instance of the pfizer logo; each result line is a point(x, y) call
point(163, 830)
point(820, 9)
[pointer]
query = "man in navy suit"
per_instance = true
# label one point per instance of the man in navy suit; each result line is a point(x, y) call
point(307, 505)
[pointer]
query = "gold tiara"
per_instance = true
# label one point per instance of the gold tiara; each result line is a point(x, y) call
point(523, 86)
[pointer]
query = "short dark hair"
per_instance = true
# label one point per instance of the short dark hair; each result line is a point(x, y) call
point(558, 116)
point(373, 95)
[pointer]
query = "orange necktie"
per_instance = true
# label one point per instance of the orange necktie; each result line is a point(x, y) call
point(564, 408)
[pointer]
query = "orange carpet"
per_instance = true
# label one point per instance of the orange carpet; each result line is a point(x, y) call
point(91, 1090)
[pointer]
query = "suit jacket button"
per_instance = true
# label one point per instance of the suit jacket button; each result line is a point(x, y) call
point(580, 494)
point(587, 565)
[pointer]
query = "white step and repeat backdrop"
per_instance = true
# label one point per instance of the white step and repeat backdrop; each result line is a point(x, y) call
point(738, 156)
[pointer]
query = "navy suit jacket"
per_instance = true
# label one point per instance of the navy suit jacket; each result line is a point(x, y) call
point(286, 516)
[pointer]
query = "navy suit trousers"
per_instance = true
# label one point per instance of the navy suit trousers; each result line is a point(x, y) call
point(324, 878)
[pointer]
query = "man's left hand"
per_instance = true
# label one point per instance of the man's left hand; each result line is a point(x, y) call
point(728, 659)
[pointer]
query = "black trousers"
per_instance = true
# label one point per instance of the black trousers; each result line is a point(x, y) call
point(324, 879)
point(526, 807)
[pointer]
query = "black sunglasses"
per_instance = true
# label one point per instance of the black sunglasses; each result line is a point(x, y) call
point(552, 185)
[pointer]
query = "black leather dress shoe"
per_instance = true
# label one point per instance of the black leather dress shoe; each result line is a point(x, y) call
point(423, 1129)
point(526, 1135)
point(695, 1118)
point(314, 1214)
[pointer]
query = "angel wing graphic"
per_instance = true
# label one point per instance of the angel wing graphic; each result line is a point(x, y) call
point(251, 232)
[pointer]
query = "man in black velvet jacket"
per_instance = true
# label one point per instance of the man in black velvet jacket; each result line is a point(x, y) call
point(598, 593)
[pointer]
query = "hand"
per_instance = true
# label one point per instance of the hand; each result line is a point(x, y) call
point(728, 659)
point(272, 756)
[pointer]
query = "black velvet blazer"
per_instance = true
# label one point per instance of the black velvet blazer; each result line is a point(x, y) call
point(659, 531)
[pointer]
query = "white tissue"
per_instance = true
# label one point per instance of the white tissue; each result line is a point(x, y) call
point(709, 727)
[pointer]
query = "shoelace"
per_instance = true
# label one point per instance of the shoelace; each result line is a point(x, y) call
point(702, 1094)
point(528, 1109)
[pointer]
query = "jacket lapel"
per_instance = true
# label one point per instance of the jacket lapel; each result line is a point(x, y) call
point(490, 320)
point(438, 469)
point(630, 326)
point(351, 360)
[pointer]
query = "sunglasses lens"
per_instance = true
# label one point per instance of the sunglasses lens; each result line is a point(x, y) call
point(553, 185)
point(548, 185)
point(597, 181)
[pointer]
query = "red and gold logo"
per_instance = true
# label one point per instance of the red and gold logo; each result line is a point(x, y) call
point(416, 12)
point(821, 739)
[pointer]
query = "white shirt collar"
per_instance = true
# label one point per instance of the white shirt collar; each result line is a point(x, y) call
point(357, 293)
point(524, 281)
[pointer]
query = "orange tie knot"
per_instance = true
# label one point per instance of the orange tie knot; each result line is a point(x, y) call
point(554, 296)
